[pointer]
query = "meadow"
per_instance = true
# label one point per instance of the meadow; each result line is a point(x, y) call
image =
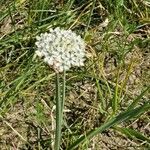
point(107, 100)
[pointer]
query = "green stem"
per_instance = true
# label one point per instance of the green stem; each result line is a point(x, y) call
point(39, 136)
point(89, 19)
point(63, 91)
point(58, 114)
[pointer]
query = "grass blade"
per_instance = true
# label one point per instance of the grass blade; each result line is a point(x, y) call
point(125, 116)
point(89, 18)
point(131, 133)
point(134, 103)
point(115, 100)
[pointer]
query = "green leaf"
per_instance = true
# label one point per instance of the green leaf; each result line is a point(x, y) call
point(131, 133)
point(125, 116)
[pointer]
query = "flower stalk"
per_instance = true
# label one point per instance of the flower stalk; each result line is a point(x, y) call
point(59, 109)
point(58, 114)
point(63, 90)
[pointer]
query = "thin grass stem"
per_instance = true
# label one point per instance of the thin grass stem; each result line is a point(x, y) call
point(115, 101)
point(39, 136)
point(89, 19)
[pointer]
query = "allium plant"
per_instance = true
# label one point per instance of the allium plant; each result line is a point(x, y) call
point(61, 50)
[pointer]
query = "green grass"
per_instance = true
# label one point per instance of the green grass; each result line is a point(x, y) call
point(110, 94)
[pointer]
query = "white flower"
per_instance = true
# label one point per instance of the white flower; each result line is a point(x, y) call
point(61, 49)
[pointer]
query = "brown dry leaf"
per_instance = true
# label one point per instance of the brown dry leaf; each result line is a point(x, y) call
point(6, 26)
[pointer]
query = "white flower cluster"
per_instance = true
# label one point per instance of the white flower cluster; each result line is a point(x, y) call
point(61, 49)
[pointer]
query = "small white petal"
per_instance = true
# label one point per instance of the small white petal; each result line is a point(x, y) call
point(38, 37)
point(38, 53)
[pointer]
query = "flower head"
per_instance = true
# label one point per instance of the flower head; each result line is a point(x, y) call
point(61, 49)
